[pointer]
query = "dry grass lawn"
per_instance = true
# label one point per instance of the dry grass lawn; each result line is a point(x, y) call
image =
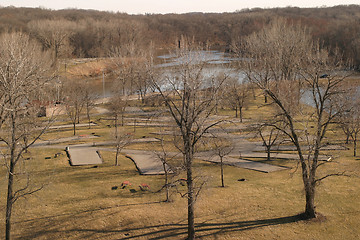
point(79, 203)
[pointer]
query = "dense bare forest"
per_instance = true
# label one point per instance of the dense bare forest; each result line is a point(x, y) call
point(89, 33)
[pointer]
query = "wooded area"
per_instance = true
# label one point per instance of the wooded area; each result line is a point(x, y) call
point(89, 33)
point(289, 85)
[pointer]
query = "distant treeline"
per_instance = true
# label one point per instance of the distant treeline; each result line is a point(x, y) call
point(90, 33)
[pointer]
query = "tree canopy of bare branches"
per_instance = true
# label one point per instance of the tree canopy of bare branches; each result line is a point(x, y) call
point(24, 70)
point(236, 96)
point(189, 96)
point(290, 68)
point(349, 115)
point(132, 64)
point(54, 35)
point(74, 102)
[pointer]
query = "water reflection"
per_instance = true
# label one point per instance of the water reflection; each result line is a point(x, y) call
point(196, 57)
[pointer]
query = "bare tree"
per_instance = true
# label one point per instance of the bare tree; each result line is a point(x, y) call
point(54, 35)
point(237, 95)
point(189, 97)
point(74, 102)
point(170, 171)
point(121, 140)
point(24, 70)
point(346, 128)
point(280, 61)
point(293, 65)
point(349, 116)
point(126, 35)
point(117, 108)
point(89, 100)
point(142, 82)
point(269, 136)
point(355, 129)
point(222, 149)
point(132, 69)
point(125, 62)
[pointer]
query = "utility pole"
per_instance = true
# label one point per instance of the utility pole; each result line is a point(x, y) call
point(103, 80)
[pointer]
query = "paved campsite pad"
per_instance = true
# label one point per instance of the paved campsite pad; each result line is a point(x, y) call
point(289, 156)
point(71, 125)
point(133, 110)
point(148, 124)
point(252, 165)
point(145, 140)
point(146, 162)
point(84, 156)
point(63, 140)
point(149, 164)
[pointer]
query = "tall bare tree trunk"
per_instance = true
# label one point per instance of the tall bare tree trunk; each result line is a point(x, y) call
point(166, 182)
point(116, 126)
point(310, 183)
point(74, 128)
point(89, 119)
point(117, 155)
point(355, 146)
point(265, 98)
point(240, 114)
point(191, 221)
point(310, 197)
point(222, 171)
point(191, 216)
point(9, 201)
point(190, 192)
point(10, 194)
point(268, 150)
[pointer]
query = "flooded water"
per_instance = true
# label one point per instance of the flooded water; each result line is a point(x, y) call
point(217, 63)
point(196, 57)
point(104, 88)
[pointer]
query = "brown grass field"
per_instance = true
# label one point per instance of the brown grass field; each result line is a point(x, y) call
point(79, 203)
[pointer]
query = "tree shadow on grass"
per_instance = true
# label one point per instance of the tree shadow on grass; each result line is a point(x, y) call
point(91, 210)
point(174, 231)
point(210, 229)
